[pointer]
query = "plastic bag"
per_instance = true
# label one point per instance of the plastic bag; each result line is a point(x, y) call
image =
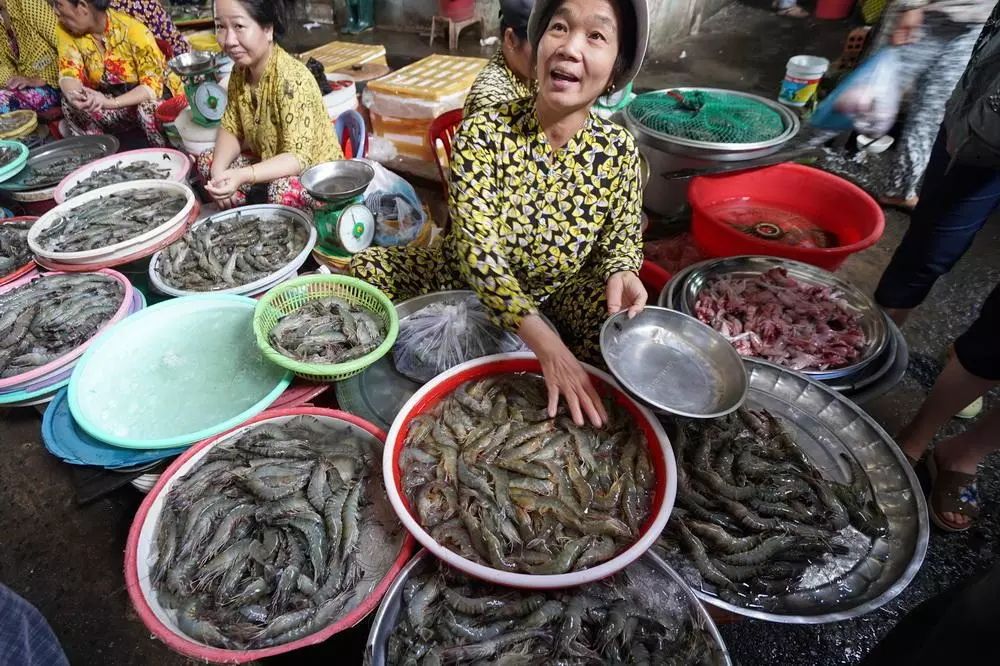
point(443, 335)
point(399, 213)
point(868, 100)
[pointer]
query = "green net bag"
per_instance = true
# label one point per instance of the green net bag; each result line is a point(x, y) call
point(715, 117)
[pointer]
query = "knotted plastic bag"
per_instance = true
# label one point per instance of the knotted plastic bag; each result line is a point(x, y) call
point(868, 100)
point(443, 335)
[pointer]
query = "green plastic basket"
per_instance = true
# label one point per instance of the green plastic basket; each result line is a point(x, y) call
point(290, 296)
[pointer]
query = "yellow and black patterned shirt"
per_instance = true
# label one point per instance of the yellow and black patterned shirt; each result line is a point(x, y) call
point(496, 84)
point(525, 219)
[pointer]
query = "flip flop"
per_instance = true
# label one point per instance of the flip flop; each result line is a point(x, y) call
point(951, 492)
point(793, 12)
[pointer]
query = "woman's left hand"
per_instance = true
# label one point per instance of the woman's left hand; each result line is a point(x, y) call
point(625, 291)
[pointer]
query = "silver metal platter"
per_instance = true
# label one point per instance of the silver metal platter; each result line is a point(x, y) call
point(872, 320)
point(825, 424)
point(874, 371)
point(338, 180)
point(648, 565)
point(674, 363)
point(670, 291)
point(890, 379)
point(95, 147)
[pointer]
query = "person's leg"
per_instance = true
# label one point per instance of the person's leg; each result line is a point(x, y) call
point(954, 205)
point(26, 639)
point(578, 311)
point(934, 63)
point(146, 115)
point(954, 627)
point(289, 192)
point(404, 272)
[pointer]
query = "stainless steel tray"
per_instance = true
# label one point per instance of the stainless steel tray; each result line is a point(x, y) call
point(872, 320)
point(890, 379)
point(671, 290)
point(874, 371)
point(100, 146)
point(826, 424)
point(388, 611)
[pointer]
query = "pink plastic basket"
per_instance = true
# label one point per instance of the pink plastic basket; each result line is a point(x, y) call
point(69, 357)
point(184, 645)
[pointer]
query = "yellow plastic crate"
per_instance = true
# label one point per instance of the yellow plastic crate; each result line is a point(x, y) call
point(343, 55)
point(432, 78)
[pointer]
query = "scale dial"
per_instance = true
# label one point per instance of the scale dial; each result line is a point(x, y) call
point(356, 228)
point(210, 99)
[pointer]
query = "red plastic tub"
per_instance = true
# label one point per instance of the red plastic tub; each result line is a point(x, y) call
point(457, 10)
point(829, 202)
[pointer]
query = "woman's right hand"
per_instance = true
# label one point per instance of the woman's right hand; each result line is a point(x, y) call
point(564, 375)
point(908, 26)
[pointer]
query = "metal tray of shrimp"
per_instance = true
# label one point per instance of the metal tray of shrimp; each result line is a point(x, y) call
point(48, 164)
point(376, 650)
point(825, 424)
point(684, 297)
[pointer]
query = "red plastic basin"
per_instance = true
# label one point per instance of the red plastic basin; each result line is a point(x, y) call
point(828, 201)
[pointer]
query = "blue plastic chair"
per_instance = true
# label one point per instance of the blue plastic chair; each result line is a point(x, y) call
point(351, 125)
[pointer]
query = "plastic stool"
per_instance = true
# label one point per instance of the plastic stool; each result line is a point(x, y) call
point(455, 28)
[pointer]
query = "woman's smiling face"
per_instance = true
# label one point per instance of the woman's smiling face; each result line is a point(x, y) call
point(577, 53)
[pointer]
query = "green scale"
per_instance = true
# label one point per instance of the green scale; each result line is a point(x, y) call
point(344, 224)
point(200, 73)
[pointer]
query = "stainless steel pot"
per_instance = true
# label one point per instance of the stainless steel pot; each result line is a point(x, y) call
point(666, 153)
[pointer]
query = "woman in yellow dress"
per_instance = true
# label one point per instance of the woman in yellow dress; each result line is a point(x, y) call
point(275, 125)
point(111, 71)
point(545, 201)
point(29, 71)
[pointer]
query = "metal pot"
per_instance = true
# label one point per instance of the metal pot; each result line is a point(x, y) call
point(667, 153)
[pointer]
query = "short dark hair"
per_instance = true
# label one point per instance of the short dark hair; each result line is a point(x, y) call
point(272, 13)
point(520, 32)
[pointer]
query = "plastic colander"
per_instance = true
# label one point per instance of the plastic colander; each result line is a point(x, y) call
point(290, 296)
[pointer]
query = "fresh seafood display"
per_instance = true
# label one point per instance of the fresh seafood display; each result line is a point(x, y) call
point(14, 250)
point(51, 316)
point(119, 173)
point(755, 516)
point(640, 616)
point(492, 477)
point(775, 317)
point(275, 534)
point(7, 155)
point(232, 252)
point(11, 122)
point(110, 219)
point(57, 168)
point(328, 331)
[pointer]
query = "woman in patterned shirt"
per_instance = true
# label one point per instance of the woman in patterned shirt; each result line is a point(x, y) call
point(275, 112)
point(545, 201)
point(111, 71)
point(509, 73)
point(28, 67)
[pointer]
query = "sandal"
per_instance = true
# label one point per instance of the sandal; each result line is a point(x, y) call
point(952, 492)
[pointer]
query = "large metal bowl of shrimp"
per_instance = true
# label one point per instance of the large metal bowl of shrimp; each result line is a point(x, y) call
point(271, 537)
point(644, 614)
point(481, 474)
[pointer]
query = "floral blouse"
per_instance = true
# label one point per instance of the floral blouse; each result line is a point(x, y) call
point(128, 58)
point(29, 46)
point(282, 113)
point(155, 17)
point(496, 84)
point(525, 218)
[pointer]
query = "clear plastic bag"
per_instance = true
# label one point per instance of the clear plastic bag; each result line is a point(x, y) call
point(443, 335)
point(398, 211)
point(868, 100)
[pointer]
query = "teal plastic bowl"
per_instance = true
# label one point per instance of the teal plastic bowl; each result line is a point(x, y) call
point(174, 374)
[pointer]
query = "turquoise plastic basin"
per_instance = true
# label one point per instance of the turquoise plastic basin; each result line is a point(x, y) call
point(174, 374)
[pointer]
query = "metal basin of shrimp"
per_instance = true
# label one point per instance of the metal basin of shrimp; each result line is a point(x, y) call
point(275, 535)
point(797, 508)
point(644, 614)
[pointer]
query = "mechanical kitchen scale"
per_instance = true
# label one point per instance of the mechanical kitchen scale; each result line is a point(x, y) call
point(200, 73)
point(344, 224)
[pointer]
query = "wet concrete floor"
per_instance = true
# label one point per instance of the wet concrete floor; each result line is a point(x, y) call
point(67, 559)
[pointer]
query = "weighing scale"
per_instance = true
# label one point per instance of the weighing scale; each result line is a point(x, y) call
point(344, 224)
point(200, 73)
